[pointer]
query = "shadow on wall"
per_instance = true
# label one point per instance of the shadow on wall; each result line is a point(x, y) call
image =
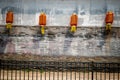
point(3, 43)
point(6, 43)
point(67, 44)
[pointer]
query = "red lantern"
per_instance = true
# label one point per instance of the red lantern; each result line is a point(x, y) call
point(9, 17)
point(74, 20)
point(109, 17)
point(42, 19)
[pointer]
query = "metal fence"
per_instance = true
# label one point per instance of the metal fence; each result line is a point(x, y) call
point(51, 70)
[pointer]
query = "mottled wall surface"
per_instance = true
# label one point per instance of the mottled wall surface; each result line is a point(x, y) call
point(90, 12)
point(87, 41)
point(59, 41)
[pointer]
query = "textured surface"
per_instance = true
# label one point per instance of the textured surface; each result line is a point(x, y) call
point(90, 12)
point(59, 41)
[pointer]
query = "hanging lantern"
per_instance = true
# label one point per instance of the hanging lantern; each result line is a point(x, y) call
point(42, 19)
point(42, 22)
point(9, 19)
point(109, 20)
point(73, 22)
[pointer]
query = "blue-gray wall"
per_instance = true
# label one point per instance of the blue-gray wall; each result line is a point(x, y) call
point(90, 12)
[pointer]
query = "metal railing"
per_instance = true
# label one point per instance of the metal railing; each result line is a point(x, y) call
point(51, 70)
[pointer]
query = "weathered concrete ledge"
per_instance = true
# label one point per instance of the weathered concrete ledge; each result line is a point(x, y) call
point(32, 57)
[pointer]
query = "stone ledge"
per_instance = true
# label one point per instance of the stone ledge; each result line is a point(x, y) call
point(31, 57)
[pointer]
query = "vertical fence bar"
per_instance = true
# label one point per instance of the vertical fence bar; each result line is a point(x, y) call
point(20, 70)
point(45, 70)
point(24, 70)
point(79, 70)
point(0, 69)
point(16, 70)
point(118, 70)
point(58, 71)
point(62, 70)
point(96, 70)
point(109, 71)
point(54, 73)
point(28, 70)
point(113, 72)
point(11, 71)
point(40, 71)
point(7, 70)
point(3, 69)
point(36, 70)
point(84, 71)
point(49, 74)
point(71, 72)
point(32, 69)
point(92, 71)
point(66, 70)
point(105, 72)
point(88, 70)
point(75, 70)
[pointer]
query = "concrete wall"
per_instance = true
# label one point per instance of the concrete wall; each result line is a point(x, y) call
point(59, 41)
point(90, 12)
point(89, 40)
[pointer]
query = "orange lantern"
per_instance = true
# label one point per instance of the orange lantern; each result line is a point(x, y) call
point(42, 22)
point(42, 19)
point(109, 17)
point(74, 20)
point(109, 20)
point(9, 17)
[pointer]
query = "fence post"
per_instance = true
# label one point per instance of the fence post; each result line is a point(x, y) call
point(0, 69)
point(92, 67)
